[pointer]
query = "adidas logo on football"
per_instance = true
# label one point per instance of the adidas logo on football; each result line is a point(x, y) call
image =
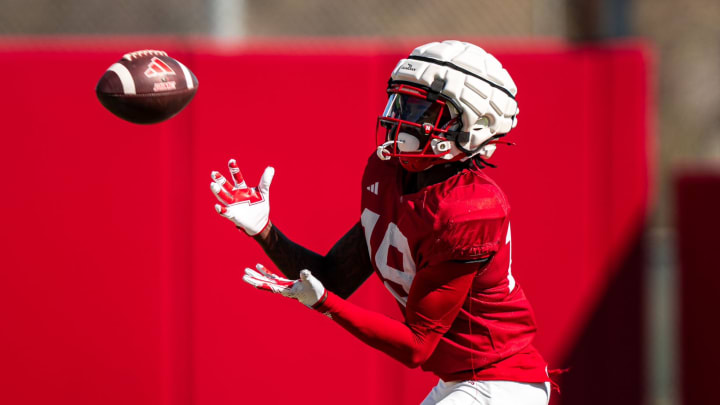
point(373, 188)
point(157, 67)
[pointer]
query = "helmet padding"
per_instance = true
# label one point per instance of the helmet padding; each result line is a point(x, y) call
point(474, 81)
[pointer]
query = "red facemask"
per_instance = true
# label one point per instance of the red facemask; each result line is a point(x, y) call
point(414, 128)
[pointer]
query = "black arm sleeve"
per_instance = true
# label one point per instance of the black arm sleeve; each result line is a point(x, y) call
point(342, 270)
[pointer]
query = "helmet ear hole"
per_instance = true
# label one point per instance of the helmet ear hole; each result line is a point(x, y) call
point(483, 122)
point(479, 133)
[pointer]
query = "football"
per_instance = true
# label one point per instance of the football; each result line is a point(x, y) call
point(146, 87)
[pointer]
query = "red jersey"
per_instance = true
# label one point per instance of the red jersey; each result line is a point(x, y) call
point(463, 219)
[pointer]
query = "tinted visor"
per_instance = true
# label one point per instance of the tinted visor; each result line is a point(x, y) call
point(405, 119)
point(413, 109)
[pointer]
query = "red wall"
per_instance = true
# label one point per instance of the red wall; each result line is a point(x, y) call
point(120, 284)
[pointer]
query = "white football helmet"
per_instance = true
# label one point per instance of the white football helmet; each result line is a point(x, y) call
point(448, 101)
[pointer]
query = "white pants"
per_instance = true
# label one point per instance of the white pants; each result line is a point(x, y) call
point(488, 393)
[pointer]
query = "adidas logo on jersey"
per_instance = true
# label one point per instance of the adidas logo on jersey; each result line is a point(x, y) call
point(373, 188)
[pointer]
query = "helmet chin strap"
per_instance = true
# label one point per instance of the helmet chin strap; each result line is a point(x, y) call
point(460, 137)
point(486, 149)
point(382, 148)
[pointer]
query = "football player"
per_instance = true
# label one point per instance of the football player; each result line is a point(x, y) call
point(424, 195)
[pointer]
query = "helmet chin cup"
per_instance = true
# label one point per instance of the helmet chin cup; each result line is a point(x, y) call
point(416, 164)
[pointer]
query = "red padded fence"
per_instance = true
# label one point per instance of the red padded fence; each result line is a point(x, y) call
point(697, 198)
point(119, 284)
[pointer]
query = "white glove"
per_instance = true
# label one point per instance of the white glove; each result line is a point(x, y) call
point(308, 290)
point(247, 208)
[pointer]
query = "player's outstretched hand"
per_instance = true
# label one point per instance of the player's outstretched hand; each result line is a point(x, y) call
point(308, 290)
point(247, 208)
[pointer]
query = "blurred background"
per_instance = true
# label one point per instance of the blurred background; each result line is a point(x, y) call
point(643, 334)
